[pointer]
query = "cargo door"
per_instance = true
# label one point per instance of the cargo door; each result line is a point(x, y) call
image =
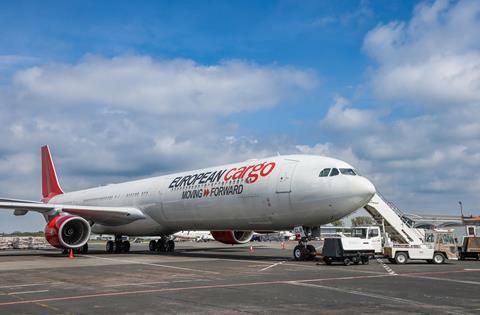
point(284, 181)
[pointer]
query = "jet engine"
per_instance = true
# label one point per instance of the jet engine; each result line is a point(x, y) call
point(232, 237)
point(67, 231)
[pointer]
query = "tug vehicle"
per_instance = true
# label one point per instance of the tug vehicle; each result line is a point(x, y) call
point(347, 250)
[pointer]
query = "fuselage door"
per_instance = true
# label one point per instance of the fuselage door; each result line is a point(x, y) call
point(284, 181)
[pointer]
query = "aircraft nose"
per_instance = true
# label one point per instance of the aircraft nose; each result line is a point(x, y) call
point(364, 188)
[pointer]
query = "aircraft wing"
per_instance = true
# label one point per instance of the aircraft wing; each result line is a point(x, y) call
point(102, 215)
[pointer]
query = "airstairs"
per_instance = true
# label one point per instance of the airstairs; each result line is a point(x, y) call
point(394, 223)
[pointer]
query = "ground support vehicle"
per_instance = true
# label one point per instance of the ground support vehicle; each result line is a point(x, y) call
point(371, 233)
point(347, 250)
point(470, 248)
point(439, 246)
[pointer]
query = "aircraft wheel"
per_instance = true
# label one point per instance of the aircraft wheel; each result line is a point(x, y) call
point(126, 246)
point(118, 246)
point(161, 246)
point(152, 246)
point(84, 249)
point(347, 262)
point(170, 246)
point(109, 247)
point(298, 253)
point(311, 251)
point(401, 258)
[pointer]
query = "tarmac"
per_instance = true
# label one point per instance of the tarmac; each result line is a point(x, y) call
point(220, 279)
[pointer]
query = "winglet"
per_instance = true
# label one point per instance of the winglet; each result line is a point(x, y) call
point(50, 185)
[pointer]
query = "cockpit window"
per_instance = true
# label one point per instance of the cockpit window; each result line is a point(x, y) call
point(347, 171)
point(324, 172)
point(334, 172)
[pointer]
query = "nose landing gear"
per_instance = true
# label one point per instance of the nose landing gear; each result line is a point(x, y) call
point(303, 251)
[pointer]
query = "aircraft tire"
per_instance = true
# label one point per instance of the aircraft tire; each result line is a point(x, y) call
point(311, 252)
point(298, 253)
point(118, 246)
point(161, 246)
point(126, 246)
point(109, 247)
point(152, 246)
point(170, 246)
point(84, 249)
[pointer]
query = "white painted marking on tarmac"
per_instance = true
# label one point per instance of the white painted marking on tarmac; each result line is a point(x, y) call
point(331, 267)
point(386, 267)
point(442, 279)
point(443, 308)
point(135, 284)
point(24, 285)
point(192, 280)
point(152, 264)
point(271, 266)
point(27, 292)
point(471, 269)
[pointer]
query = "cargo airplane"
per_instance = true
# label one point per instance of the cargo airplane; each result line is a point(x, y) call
point(232, 201)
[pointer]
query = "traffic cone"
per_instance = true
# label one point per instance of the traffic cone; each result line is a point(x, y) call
point(252, 250)
point(70, 255)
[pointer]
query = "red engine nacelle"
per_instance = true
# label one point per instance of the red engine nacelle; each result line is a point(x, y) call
point(232, 237)
point(67, 231)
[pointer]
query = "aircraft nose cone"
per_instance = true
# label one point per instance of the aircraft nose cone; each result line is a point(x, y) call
point(365, 188)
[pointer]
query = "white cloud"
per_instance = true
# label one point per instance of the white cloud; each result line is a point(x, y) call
point(139, 83)
point(431, 60)
point(341, 116)
point(359, 15)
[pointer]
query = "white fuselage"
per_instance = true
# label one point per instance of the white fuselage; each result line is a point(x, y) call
point(275, 193)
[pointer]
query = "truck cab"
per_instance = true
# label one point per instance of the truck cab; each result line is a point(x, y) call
point(372, 233)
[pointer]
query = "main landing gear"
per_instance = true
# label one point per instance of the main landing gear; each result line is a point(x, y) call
point(117, 246)
point(163, 245)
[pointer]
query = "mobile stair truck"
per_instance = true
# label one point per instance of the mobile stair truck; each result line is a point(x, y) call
point(403, 242)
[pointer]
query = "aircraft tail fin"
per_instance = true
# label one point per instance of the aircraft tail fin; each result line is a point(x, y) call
point(50, 185)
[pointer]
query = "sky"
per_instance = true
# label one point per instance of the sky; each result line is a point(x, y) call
point(122, 90)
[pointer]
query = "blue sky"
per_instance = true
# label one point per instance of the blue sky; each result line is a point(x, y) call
point(123, 90)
